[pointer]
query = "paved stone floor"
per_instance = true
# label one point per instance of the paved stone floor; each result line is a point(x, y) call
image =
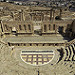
point(9, 65)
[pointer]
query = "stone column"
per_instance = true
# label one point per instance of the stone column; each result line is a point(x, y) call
point(23, 16)
point(31, 16)
point(47, 28)
point(55, 28)
point(42, 27)
point(64, 29)
point(51, 27)
point(13, 16)
point(60, 12)
point(42, 17)
point(32, 28)
point(51, 14)
point(26, 28)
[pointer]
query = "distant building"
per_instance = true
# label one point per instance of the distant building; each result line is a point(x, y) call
point(5, 0)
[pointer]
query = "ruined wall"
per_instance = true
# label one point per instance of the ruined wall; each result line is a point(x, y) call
point(73, 27)
point(17, 27)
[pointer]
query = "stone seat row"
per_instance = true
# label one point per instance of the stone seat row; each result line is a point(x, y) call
point(69, 53)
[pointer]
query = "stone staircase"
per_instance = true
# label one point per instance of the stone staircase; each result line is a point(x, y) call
point(71, 42)
point(69, 51)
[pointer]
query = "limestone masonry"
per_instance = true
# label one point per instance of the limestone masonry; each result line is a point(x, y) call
point(36, 40)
